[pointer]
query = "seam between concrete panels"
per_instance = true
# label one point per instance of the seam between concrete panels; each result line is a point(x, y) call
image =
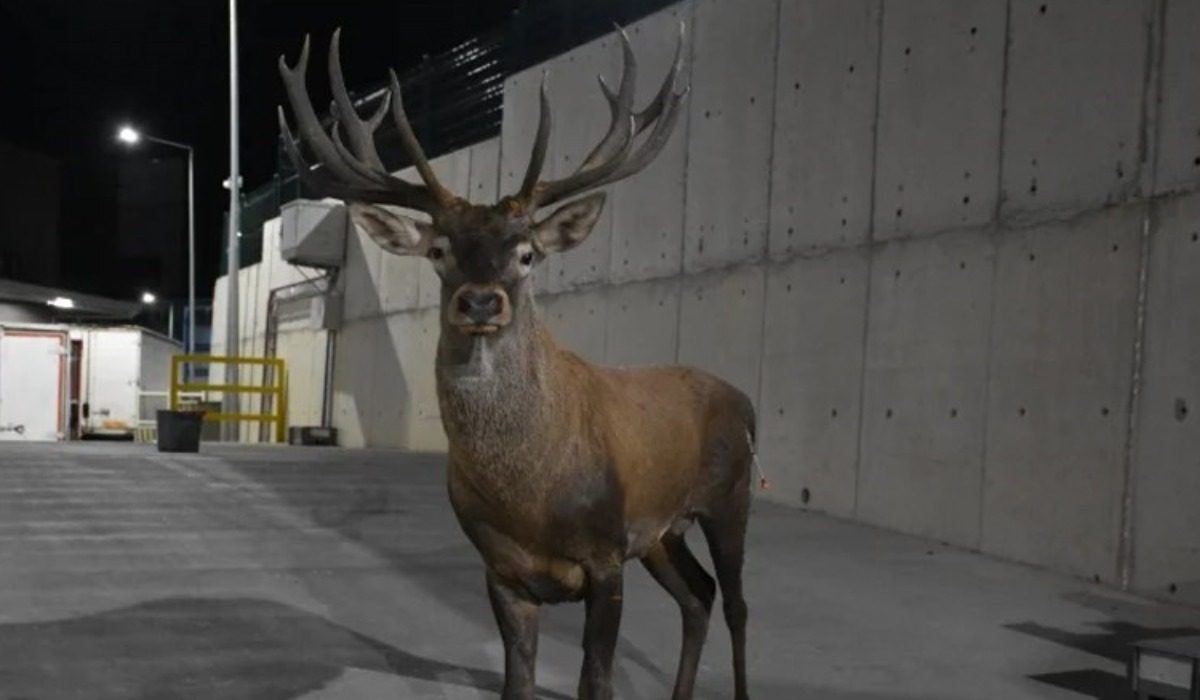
point(687, 135)
point(1148, 139)
point(866, 325)
point(1151, 100)
point(1125, 548)
point(994, 242)
point(766, 252)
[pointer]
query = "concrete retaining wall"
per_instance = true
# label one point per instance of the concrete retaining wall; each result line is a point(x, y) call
point(949, 248)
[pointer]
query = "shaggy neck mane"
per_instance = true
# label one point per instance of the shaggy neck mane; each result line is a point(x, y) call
point(493, 389)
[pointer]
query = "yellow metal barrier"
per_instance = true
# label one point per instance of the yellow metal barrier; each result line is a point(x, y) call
point(273, 369)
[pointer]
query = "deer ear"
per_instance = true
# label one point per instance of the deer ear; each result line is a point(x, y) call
point(570, 224)
point(394, 232)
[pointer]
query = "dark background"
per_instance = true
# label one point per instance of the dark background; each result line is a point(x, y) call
point(72, 71)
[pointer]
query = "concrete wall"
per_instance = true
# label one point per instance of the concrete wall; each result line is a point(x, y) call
point(949, 248)
point(300, 346)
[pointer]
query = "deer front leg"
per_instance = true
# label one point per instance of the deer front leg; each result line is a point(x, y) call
point(517, 617)
point(604, 597)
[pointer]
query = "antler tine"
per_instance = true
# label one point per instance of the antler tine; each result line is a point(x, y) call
point(351, 160)
point(665, 92)
point(621, 105)
point(647, 116)
point(541, 142)
point(361, 139)
point(399, 192)
point(550, 192)
point(653, 143)
point(306, 119)
point(443, 196)
point(356, 172)
point(614, 157)
point(380, 175)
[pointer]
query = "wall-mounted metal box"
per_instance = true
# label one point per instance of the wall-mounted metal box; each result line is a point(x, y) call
point(313, 232)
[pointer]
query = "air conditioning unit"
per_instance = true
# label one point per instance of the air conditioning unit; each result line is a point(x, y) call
point(313, 232)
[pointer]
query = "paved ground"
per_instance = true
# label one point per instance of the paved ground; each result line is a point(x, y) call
point(276, 573)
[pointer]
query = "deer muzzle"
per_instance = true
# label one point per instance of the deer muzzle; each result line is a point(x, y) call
point(480, 309)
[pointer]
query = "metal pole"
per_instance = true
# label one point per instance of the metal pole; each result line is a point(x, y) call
point(191, 308)
point(171, 320)
point(232, 262)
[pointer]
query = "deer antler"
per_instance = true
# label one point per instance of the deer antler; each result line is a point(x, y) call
point(614, 157)
point(356, 172)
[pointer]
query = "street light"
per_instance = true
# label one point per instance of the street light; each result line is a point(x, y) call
point(150, 299)
point(128, 135)
point(131, 137)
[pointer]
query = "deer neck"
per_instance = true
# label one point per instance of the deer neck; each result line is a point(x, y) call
point(494, 391)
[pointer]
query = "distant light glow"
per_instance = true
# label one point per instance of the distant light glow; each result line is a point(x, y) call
point(128, 135)
point(62, 303)
point(148, 298)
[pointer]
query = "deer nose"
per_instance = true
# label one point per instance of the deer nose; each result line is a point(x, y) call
point(479, 305)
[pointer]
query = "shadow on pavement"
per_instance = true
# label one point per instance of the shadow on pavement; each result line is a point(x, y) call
point(193, 648)
point(1112, 642)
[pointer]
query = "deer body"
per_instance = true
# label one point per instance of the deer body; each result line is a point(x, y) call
point(578, 467)
point(559, 471)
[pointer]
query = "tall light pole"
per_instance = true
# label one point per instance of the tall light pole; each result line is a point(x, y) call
point(235, 211)
point(131, 136)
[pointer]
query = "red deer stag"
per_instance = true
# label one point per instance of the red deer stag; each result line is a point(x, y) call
point(559, 471)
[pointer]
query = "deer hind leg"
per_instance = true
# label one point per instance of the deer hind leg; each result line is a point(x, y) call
point(671, 563)
point(725, 530)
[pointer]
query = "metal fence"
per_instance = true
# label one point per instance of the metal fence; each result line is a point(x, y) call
point(455, 99)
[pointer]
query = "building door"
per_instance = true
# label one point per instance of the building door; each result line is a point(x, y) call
point(32, 369)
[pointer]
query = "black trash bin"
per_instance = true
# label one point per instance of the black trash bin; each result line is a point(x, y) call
point(179, 431)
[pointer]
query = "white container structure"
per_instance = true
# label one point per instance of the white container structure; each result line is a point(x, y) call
point(125, 373)
point(34, 362)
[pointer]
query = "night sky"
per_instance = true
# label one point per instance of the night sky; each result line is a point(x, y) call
point(71, 71)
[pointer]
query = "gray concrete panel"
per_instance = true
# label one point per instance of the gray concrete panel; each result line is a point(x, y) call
point(581, 118)
point(720, 325)
point(399, 279)
point(404, 407)
point(353, 378)
point(812, 368)
point(647, 209)
point(1063, 333)
point(1167, 465)
point(391, 381)
point(361, 276)
point(1076, 70)
point(576, 320)
point(940, 86)
point(1179, 110)
point(824, 124)
point(730, 115)
point(642, 325)
point(925, 386)
point(400, 276)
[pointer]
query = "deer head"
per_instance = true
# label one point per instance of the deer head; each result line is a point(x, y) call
point(483, 253)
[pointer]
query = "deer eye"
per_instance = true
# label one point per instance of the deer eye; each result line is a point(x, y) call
point(527, 258)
